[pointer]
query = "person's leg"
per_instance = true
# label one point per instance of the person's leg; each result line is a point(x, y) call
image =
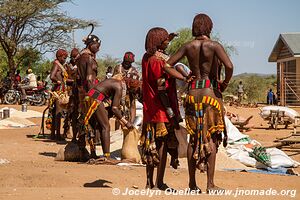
point(84, 155)
point(132, 108)
point(192, 164)
point(58, 124)
point(162, 152)
point(98, 136)
point(211, 161)
point(74, 124)
point(172, 146)
point(23, 90)
point(102, 118)
point(93, 126)
point(66, 125)
point(53, 125)
point(149, 173)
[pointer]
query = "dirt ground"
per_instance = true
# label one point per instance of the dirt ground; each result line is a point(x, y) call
point(32, 172)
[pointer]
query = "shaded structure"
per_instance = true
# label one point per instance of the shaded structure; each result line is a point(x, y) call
point(286, 53)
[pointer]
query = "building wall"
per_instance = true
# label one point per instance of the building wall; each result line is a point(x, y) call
point(298, 74)
point(289, 70)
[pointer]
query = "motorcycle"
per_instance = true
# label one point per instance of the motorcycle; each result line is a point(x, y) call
point(3, 90)
point(36, 96)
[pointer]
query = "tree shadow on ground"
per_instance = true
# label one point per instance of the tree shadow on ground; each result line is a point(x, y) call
point(98, 183)
point(45, 138)
point(38, 136)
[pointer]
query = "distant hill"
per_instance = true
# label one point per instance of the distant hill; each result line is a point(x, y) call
point(244, 75)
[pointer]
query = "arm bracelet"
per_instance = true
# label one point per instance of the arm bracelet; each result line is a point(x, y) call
point(168, 65)
point(123, 120)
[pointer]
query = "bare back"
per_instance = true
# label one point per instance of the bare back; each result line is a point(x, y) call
point(202, 60)
point(203, 56)
point(112, 88)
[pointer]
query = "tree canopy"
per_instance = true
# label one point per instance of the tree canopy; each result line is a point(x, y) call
point(35, 24)
point(105, 62)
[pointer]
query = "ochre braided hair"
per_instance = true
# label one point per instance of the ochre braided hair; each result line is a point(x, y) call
point(202, 25)
point(61, 52)
point(155, 37)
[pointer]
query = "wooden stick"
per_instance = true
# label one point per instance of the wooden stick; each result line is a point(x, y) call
point(285, 137)
point(276, 145)
point(297, 146)
point(294, 150)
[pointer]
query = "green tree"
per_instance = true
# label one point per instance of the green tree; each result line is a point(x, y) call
point(37, 24)
point(41, 68)
point(104, 63)
point(255, 86)
point(184, 36)
point(3, 64)
point(27, 57)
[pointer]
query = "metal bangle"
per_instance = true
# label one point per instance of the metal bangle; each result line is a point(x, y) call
point(168, 65)
point(123, 120)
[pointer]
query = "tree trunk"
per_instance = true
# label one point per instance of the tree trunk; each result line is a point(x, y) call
point(11, 63)
point(11, 67)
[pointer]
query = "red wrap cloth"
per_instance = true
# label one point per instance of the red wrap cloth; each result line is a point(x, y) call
point(153, 110)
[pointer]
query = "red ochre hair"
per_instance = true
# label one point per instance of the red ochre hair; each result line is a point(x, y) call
point(202, 25)
point(155, 37)
point(74, 52)
point(61, 52)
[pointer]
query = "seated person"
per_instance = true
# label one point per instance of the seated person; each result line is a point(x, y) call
point(29, 82)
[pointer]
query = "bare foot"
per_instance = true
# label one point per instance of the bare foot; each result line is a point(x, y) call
point(163, 187)
point(149, 186)
point(196, 189)
point(93, 155)
point(214, 190)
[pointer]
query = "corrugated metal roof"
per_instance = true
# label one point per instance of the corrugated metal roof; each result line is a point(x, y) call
point(291, 40)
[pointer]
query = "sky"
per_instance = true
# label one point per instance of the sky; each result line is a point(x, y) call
point(251, 26)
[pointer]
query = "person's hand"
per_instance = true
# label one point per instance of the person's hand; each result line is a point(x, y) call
point(58, 82)
point(189, 78)
point(129, 125)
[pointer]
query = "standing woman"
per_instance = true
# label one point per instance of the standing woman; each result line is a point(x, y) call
point(158, 112)
point(203, 107)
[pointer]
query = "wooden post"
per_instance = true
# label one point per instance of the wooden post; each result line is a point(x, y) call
point(298, 76)
point(282, 89)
